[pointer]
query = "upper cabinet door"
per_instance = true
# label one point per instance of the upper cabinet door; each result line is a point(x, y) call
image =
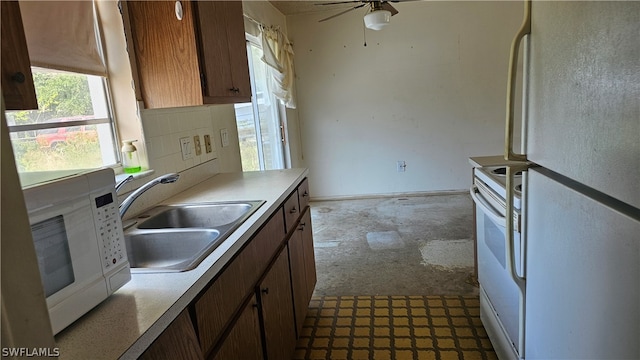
point(201, 59)
point(166, 56)
point(223, 51)
point(17, 81)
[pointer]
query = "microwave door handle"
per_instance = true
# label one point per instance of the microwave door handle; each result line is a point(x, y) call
point(487, 209)
point(525, 29)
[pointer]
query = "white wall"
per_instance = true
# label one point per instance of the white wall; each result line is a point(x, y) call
point(429, 89)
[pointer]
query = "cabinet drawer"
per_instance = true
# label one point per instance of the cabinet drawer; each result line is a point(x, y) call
point(303, 194)
point(291, 211)
point(220, 302)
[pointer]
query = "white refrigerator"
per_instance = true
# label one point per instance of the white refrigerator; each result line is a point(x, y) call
point(582, 193)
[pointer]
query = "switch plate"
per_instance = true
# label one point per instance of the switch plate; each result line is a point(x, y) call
point(185, 147)
point(224, 136)
point(196, 143)
point(207, 143)
point(402, 166)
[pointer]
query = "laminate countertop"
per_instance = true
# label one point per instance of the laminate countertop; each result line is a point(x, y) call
point(126, 323)
point(493, 160)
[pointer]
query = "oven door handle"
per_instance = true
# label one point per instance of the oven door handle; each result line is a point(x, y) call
point(487, 209)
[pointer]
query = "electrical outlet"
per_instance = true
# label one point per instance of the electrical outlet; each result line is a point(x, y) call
point(196, 143)
point(402, 166)
point(185, 147)
point(207, 143)
point(224, 136)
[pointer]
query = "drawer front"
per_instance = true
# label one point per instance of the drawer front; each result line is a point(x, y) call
point(291, 211)
point(303, 194)
point(220, 302)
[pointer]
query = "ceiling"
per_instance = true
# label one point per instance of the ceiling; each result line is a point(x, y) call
point(307, 6)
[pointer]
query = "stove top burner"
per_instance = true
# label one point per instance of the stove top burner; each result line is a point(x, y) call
point(502, 171)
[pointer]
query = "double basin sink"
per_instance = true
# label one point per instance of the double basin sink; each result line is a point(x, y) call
point(172, 238)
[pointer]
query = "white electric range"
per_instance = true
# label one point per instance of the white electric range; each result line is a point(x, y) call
point(501, 298)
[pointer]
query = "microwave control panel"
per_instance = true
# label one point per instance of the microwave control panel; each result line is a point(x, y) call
point(109, 231)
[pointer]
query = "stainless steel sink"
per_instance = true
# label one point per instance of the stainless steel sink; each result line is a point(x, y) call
point(171, 238)
point(196, 215)
point(170, 250)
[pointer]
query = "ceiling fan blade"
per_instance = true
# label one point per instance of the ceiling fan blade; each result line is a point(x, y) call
point(343, 12)
point(338, 2)
point(386, 6)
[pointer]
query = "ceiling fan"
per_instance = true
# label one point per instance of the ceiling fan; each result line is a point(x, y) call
point(378, 16)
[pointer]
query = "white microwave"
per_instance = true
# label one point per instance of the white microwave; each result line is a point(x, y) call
point(79, 243)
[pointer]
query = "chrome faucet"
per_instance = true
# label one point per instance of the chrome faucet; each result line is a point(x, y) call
point(121, 183)
point(164, 179)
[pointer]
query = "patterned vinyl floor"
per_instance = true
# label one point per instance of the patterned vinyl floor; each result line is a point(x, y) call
point(394, 328)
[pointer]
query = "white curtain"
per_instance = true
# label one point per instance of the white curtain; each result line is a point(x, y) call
point(63, 35)
point(278, 54)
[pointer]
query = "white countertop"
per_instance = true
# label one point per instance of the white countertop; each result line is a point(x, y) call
point(494, 160)
point(125, 324)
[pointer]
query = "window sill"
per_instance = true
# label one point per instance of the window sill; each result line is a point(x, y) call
point(138, 175)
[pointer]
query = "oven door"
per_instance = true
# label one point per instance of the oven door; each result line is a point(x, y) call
point(500, 296)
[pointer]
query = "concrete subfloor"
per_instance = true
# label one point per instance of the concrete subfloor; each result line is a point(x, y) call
point(418, 245)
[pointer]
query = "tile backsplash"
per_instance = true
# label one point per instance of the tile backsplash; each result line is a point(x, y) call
point(163, 129)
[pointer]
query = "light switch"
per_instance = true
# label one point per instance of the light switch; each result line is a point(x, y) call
point(224, 136)
point(185, 147)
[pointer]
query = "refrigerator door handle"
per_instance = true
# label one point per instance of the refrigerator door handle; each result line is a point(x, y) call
point(525, 29)
point(487, 209)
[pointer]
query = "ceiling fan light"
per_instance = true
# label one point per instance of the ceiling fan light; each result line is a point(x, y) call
point(377, 19)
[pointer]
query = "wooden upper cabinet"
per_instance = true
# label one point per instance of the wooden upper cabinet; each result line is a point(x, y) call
point(166, 55)
point(17, 81)
point(201, 59)
point(223, 51)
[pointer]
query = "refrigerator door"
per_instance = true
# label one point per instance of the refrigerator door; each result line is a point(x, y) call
point(583, 117)
point(583, 274)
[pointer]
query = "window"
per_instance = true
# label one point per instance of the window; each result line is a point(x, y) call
point(260, 128)
point(72, 129)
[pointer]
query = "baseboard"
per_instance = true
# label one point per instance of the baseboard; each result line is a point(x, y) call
point(389, 195)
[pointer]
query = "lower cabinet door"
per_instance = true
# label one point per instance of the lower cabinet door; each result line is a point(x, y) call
point(177, 342)
point(277, 310)
point(298, 278)
point(244, 340)
point(309, 254)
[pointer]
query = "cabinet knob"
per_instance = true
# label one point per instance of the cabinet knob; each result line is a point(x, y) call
point(302, 225)
point(305, 194)
point(265, 291)
point(255, 305)
point(293, 211)
point(235, 90)
point(18, 77)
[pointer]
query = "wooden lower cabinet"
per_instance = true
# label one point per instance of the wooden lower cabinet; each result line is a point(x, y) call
point(177, 342)
point(221, 301)
point(303, 267)
point(256, 306)
point(244, 341)
point(309, 253)
point(298, 278)
point(277, 310)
